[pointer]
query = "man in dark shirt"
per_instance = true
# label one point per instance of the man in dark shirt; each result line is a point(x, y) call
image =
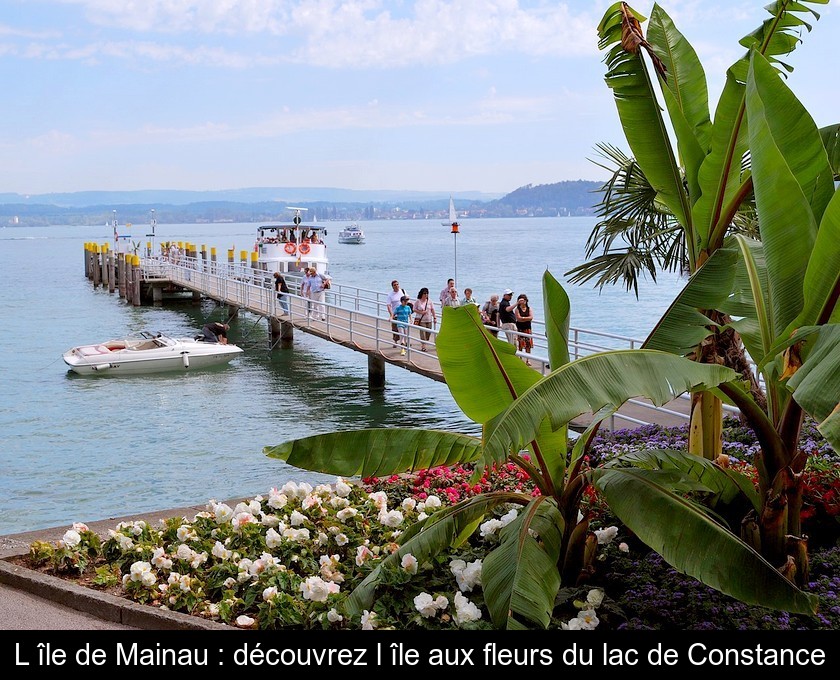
point(507, 317)
point(215, 332)
point(282, 291)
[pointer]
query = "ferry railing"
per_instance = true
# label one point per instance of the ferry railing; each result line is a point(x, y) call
point(253, 288)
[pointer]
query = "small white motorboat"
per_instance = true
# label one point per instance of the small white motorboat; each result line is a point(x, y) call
point(148, 353)
point(351, 234)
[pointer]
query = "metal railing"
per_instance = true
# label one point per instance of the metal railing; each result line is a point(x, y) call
point(363, 315)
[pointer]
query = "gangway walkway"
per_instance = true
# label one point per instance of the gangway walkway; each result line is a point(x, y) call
point(358, 319)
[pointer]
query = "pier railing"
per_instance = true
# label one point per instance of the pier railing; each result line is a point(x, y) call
point(361, 317)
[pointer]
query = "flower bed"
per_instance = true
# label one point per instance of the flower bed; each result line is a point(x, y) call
point(289, 559)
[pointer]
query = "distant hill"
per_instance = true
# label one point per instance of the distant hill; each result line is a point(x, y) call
point(270, 204)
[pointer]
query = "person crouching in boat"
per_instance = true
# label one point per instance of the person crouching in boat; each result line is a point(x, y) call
point(216, 332)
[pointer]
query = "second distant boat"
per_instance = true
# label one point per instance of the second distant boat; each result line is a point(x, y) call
point(351, 234)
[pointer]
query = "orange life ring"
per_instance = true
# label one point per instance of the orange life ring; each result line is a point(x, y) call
point(289, 248)
point(304, 248)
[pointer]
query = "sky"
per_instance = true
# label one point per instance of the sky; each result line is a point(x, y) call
point(423, 95)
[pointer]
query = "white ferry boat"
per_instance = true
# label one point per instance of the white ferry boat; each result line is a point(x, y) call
point(290, 248)
point(351, 234)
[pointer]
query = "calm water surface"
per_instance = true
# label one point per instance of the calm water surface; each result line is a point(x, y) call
point(84, 449)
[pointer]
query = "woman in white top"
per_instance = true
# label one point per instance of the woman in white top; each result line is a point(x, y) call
point(424, 315)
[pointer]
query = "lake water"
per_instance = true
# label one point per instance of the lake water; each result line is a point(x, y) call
point(84, 449)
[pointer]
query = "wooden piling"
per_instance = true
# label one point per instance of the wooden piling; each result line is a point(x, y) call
point(96, 272)
point(282, 333)
point(376, 373)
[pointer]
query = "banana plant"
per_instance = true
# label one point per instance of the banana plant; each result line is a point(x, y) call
point(702, 183)
point(550, 543)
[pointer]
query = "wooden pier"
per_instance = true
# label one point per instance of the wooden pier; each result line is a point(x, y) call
point(351, 317)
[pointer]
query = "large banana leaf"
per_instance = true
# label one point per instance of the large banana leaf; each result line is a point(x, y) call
point(830, 135)
point(438, 533)
point(721, 182)
point(520, 578)
point(485, 376)
point(377, 452)
point(483, 373)
point(725, 484)
point(683, 326)
point(822, 277)
point(641, 116)
point(693, 543)
point(558, 309)
point(816, 385)
point(686, 94)
point(591, 383)
point(779, 197)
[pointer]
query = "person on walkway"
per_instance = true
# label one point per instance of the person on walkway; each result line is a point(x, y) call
point(215, 332)
point(507, 317)
point(450, 283)
point(314, 283)
point(468, 298)
point(424, 316)
point(282, 291)
point(490, 314)
point(393, 300)
point(524, 317)
point(402, 320)
point(451, 299)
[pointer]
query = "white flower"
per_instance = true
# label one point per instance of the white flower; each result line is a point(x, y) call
point(379, 499)
point(333, 616)
point(80, 527)
point(273, 539)
point(245, 621)
point(277, 500)
point(124, 542)
point(297, 519)
point(317, 589)
point(605, 536)
point(71, 538)
point(390, 518)
point(573, 624)
point(338, 502)
point(243, 518)
point(269, 593)
point(432, 502)
point(425, 604)
point(408, 504)
point(329, 568)
point(322, 538)
point(297, 535)
point(490, 527)
point(223, 513)
point(311, 501)
point(409, 563)
point(363, 554)
point(466, 575)
point(368, 620)
point(148, 579)
point(138, 569)
point(588, 619)
point(229, 582)
point(428, 606)
point(623, 547)
point(465, 610)
point(185, 533)
point(508, 517)
point(421, 516)
point(184, 552)
point(595, 597)
point(269, 520)
point(341, 539)
point(346, 513)
point(342, 488)
point(160, 560)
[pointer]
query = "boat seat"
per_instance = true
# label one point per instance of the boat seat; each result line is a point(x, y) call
point(91, 350)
